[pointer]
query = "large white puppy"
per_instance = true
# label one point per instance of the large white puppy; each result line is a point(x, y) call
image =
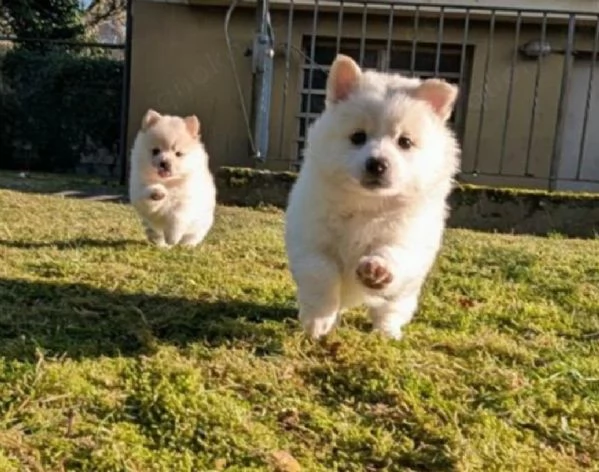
point(366, 216)
point(170, 184)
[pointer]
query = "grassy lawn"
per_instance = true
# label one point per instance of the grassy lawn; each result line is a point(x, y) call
point(115, 356)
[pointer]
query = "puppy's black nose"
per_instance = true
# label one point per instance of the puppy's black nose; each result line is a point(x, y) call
point(165, 165)
point(376, 166)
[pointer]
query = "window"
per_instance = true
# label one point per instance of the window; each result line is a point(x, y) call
point(374, 56)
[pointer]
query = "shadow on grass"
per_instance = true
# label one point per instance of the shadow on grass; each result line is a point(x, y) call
point(82, 321)
point(73, 244)
point(84, 188)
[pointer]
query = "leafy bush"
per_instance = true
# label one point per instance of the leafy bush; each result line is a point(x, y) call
point(56, 106)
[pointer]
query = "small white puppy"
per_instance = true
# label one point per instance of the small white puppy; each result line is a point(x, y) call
point(170, 184)
point(366, 216)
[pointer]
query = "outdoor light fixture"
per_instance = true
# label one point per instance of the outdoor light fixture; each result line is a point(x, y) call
point(536, 49)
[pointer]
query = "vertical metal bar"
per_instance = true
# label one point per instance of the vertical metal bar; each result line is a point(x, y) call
point(125, 96)
point(535, 101)
point(363, 36)
point(485, 90)
point(460, 111)
point(588, 102)
point(286, 81)
point(389, 36)
point(263, 68)
point(312, 61)
point(339, 27)
point(561, 110)
point(415, 41)
point(439, 41)
point(510, 92)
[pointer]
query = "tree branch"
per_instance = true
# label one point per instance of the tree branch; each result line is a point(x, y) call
point(100, 11)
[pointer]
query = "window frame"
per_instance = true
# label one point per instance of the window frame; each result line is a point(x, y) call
point(305, 116)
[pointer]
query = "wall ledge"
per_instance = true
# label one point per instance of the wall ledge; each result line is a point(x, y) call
point(502, 210)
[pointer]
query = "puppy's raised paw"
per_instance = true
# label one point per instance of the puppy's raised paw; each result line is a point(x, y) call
point(157, 194)
point(374, 273)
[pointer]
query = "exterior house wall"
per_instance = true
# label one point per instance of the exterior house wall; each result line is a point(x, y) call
point(180, 64)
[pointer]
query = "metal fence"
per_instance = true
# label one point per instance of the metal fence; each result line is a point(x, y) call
point(528, 111)
point(526, 116)
point(60, 106)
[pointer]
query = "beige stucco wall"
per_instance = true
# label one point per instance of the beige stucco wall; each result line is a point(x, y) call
point(180, 65)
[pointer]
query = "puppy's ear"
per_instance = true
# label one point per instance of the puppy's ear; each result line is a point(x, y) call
point(193, 125)
point(149, 119)
point(344, 77)
point(440, 95)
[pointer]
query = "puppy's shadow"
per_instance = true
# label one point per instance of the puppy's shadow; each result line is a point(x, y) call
point(83, 321)
point(74, 244)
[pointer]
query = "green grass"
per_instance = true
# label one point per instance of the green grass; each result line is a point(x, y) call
point(115, 356)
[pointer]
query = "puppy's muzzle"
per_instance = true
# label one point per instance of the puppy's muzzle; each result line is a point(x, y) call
point(164, 165)
point(164, 168)
point(376, 170)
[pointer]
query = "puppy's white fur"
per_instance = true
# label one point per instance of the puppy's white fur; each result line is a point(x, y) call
point(170, 184)
point(349, 241)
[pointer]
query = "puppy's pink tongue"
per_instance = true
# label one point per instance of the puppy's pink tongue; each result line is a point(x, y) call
point(163, 173)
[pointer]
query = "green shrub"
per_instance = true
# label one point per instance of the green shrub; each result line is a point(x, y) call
point(56, 106)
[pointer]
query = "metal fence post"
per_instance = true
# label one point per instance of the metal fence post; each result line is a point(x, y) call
point(561, 111)
point(123, 151)
point(262, 69)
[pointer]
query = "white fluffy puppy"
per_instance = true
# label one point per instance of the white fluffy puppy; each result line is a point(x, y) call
point(366, 216)
point(170, 184)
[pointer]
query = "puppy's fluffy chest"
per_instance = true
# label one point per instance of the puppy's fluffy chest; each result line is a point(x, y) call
point(183, 198)
point(350, 235)
point(178, 195)
point(357, 232)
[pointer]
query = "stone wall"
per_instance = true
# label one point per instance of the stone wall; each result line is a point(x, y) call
point(478, 208)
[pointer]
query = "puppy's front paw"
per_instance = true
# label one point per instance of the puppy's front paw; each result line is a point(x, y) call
point(157, 194)
point(374, 272)
point(317, 327)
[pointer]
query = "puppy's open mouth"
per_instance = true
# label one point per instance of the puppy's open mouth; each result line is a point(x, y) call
point(164, 173)
point(372, 183)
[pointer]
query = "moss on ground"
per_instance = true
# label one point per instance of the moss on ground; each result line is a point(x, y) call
point(115, 356)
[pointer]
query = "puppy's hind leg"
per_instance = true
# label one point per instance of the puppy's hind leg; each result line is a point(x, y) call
point(197, 235)
point(154, 236)
point(392, 316)
point(173, 233)
point(319, 291)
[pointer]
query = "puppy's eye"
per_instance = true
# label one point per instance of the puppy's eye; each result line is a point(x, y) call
point(155, 151)
point(405, 143)
point(178, 154)
point(358, 138)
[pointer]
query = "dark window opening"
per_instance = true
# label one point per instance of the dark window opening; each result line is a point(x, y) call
point(425, 64)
